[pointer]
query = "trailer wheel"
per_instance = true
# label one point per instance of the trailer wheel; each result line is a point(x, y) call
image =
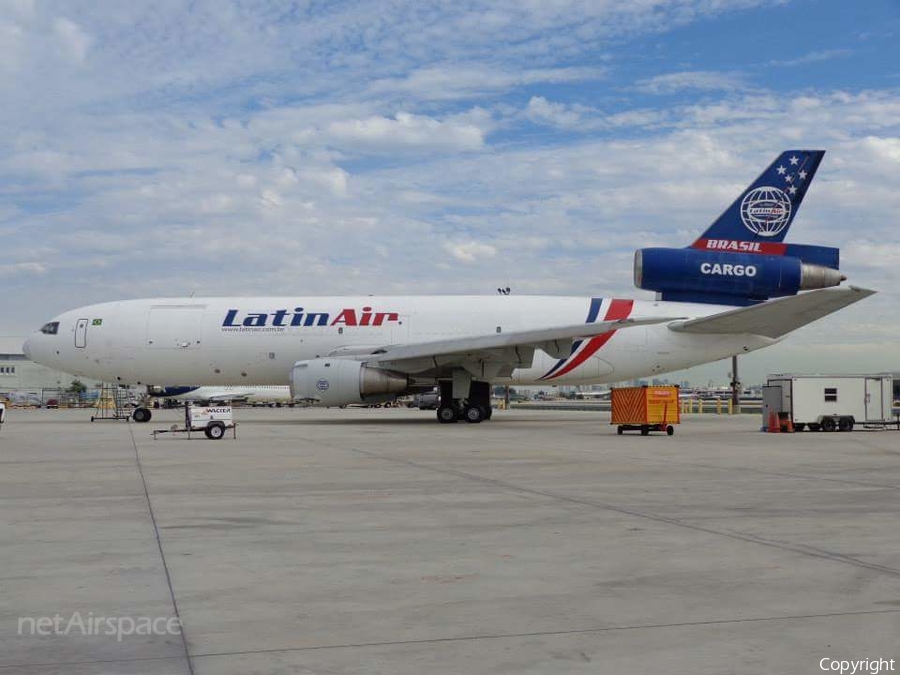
point(215, 431)
point(619, 430)
point(814, 427)
point(645, 430)
point(799, 427)
point(845, 424)
point(670, 430)
point(828, 424)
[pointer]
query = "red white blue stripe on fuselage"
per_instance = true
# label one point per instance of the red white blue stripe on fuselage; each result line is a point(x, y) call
point(582, 350)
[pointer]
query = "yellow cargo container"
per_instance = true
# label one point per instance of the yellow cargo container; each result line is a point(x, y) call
point(645, 409)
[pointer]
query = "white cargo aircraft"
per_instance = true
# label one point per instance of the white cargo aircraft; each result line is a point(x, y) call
point(713, 302)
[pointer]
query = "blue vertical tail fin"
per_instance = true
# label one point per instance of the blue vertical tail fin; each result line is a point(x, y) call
point(765, 210)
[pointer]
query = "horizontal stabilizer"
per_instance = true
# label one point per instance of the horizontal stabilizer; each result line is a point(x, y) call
point(776, 318)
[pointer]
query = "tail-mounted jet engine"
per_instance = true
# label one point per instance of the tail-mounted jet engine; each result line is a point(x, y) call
point(337, 382)
point(692, 275)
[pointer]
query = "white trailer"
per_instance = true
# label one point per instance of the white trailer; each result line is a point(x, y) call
point(830, 402)
point(211, 420)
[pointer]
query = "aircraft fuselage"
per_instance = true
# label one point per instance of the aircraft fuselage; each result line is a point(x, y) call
point(257, 340)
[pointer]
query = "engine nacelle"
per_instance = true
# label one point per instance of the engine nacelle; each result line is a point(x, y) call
point(690, 274)
point(337, 382)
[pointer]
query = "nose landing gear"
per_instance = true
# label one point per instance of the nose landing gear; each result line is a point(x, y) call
point(141, 415)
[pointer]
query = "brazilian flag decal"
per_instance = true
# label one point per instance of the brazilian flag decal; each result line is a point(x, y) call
point(97, 322)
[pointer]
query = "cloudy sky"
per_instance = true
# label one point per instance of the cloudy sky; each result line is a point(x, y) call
point(225, 147)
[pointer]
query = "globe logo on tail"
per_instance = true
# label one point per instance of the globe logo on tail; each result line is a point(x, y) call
point(765, 211)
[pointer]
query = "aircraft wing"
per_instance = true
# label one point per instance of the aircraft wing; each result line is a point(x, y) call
point(505, 350)
point(776, 318)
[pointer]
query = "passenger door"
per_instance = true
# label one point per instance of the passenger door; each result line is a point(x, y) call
point(81, 333)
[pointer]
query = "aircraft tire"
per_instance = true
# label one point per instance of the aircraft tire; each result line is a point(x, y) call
point(474, 414)
point(141, 415)
point(447, 414)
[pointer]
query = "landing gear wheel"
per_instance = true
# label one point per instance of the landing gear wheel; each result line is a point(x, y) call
point(845, 424)
point(215, 431)
point(828, 424)
point(141, 415)
point(474, 414)
point(447, 414)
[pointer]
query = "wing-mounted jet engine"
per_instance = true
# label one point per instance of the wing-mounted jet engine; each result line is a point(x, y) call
point(337, 382)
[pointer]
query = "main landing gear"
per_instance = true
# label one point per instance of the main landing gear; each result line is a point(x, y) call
point(475, 408)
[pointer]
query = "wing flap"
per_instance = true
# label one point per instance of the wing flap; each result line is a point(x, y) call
point(776, 318)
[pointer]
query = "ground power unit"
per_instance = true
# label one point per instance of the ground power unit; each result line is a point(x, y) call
point(828, 402)
point(645, 409)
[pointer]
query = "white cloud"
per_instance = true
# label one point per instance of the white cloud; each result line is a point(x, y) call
point(557, 114)
point(22, 268)
point(690, 80)
point(883, 148)
point(407, 130)
point(464, 81)
point(469, 252)
point(812, 57)
point(73, 40)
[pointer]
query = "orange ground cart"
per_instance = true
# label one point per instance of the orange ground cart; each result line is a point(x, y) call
point(645, 409)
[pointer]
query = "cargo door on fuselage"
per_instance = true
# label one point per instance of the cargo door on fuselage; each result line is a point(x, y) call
point(175, 327)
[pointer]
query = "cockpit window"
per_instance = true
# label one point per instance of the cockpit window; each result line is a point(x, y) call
point(51, 328)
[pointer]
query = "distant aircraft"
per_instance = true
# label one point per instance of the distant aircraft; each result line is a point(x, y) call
point(734, 290)
point(224, 394)
point(593, 395)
